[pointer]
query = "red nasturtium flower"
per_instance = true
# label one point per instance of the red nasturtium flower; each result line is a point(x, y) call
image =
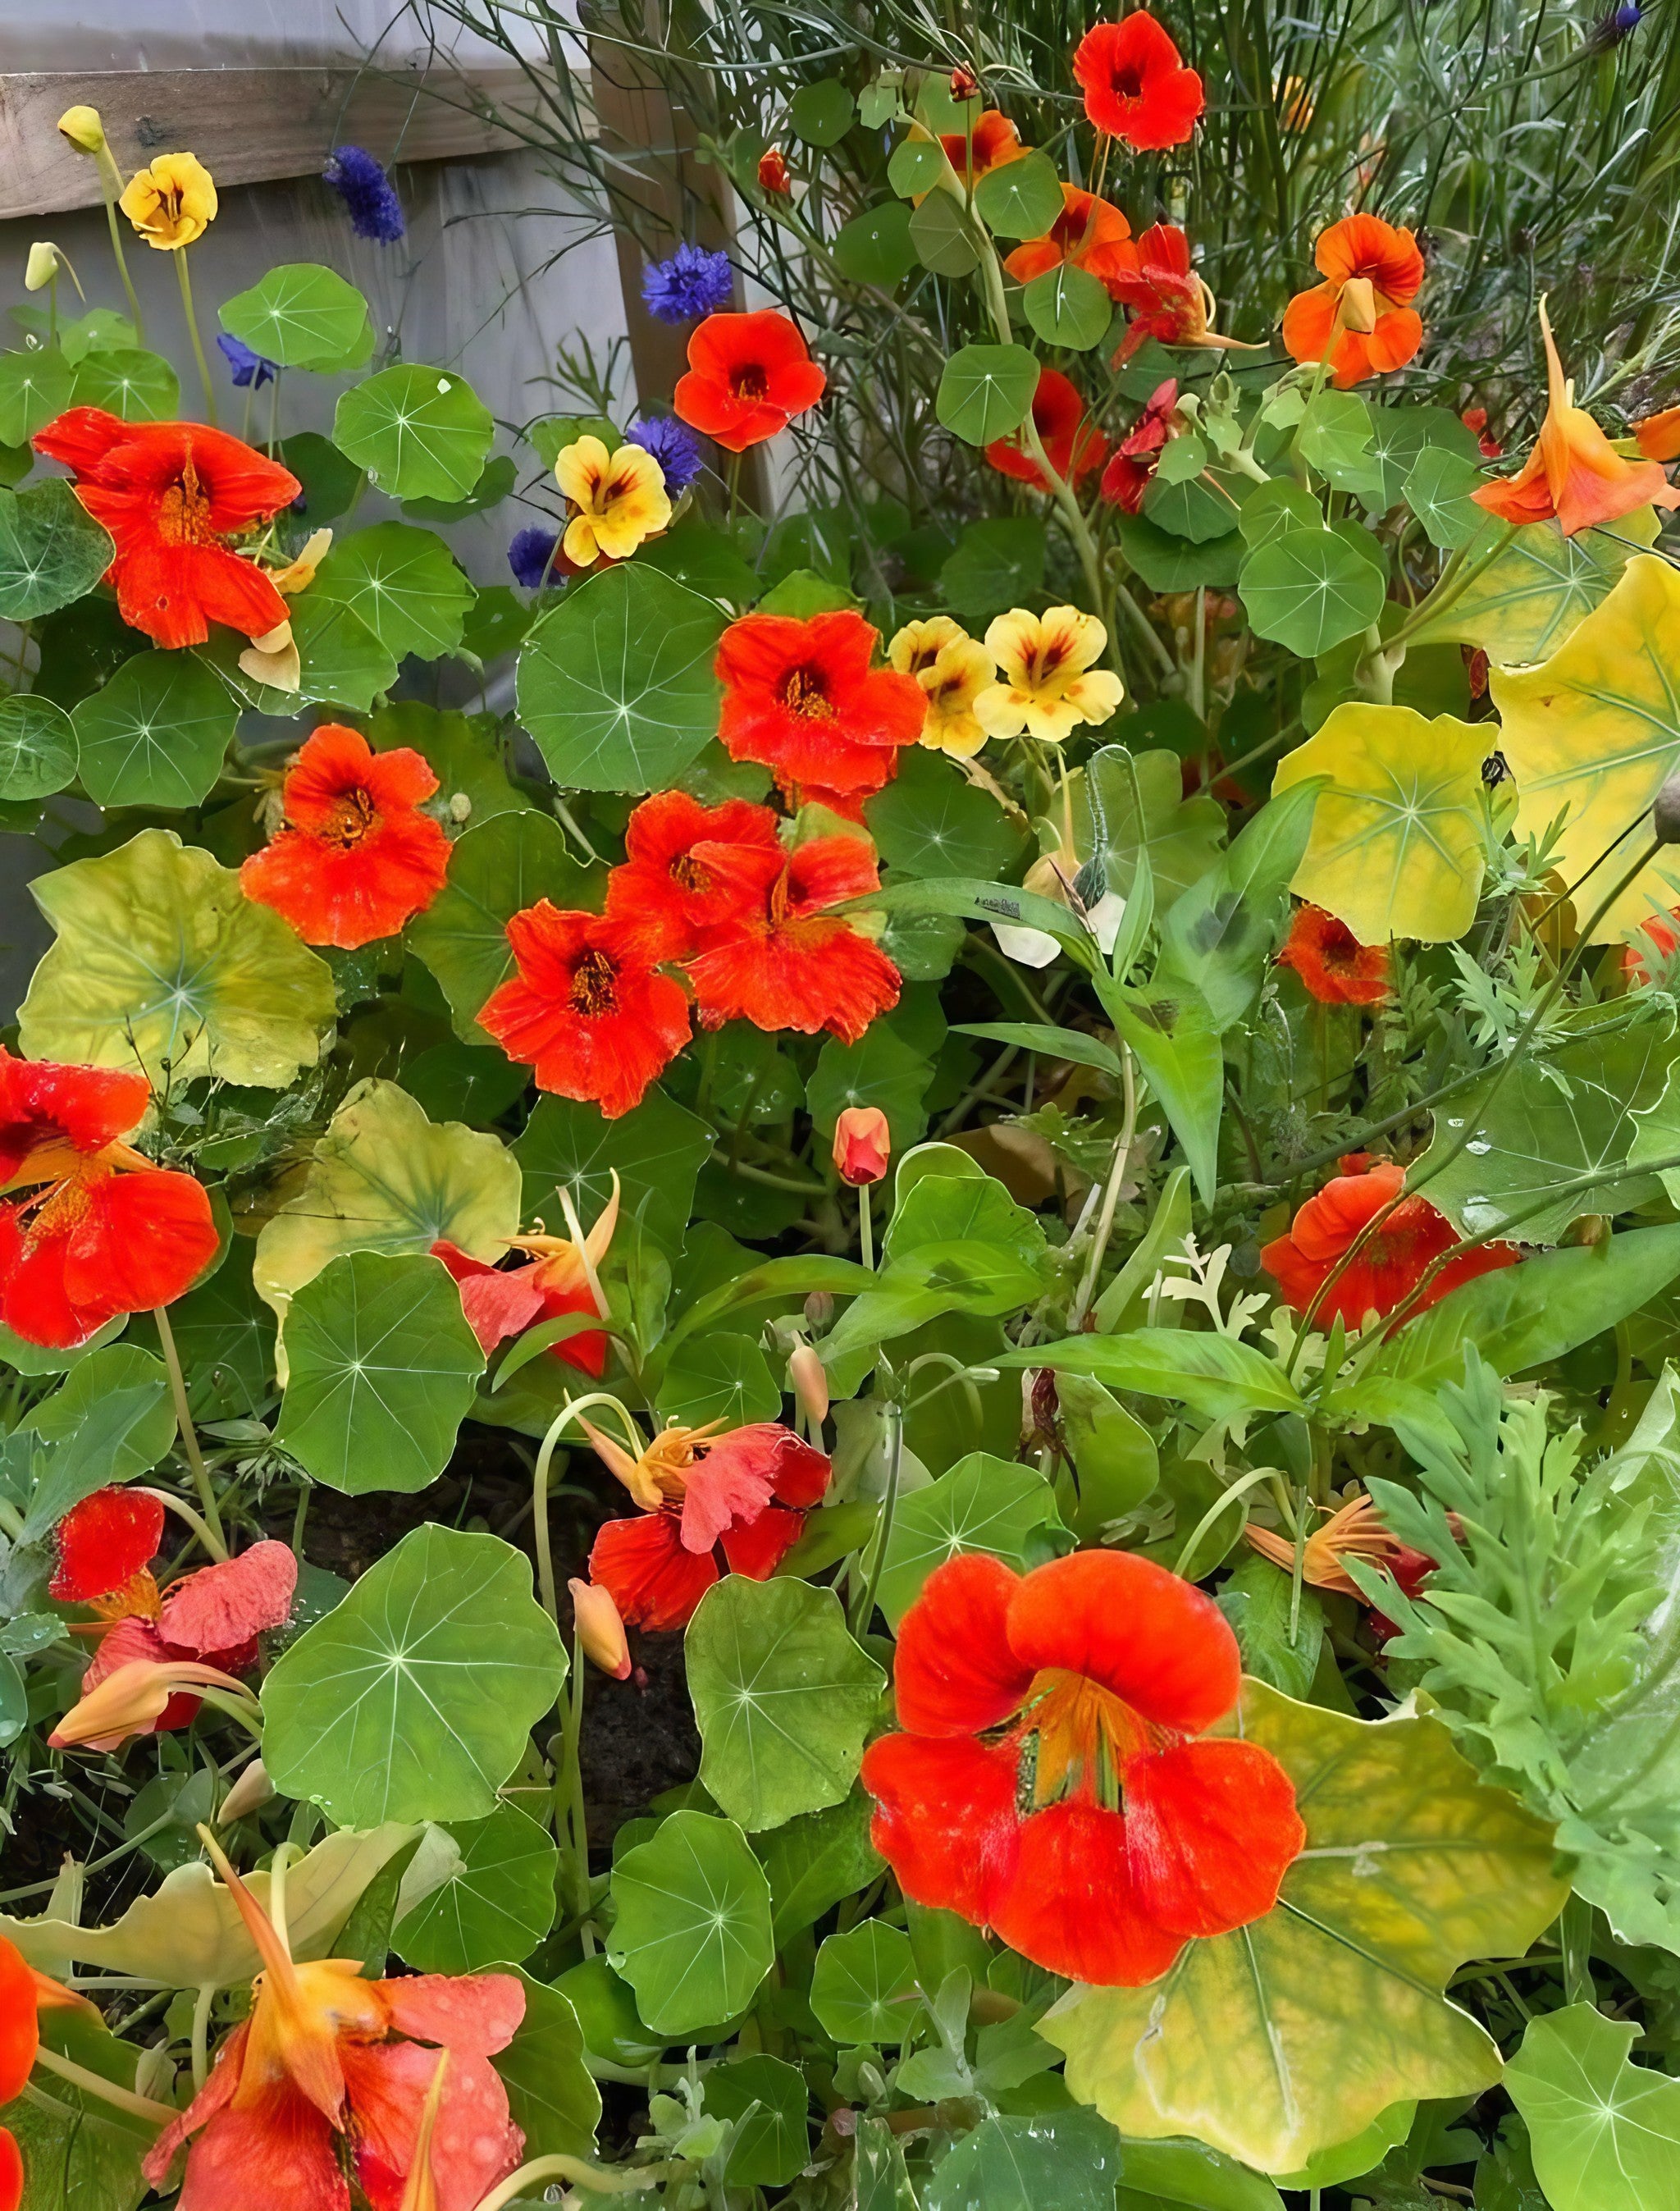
point(594, 1020)
point(89, 1228)
point(24, 1994)
point(709, 1506)
point(788, 965)
point(1089, 234)
point(327, 2058)
point(773, 172)
point(665, 898)
point(748, 376)
point(173, 496)
point(1391, 1262)
point(1574, 474)
point(503, 1301)
point(1169, 301)
point(802, 698)
point(1124, 1837)
point(1133, 464)
point(357, 859)
point(1136, 86)
point(1659, 934)
point(1071, 446)
point(1362, 314)
point(862, 1145)
point(1337, 969)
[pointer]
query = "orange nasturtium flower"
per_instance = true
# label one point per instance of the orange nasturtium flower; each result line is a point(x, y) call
point(1574, 474)
point(1337, 969)
point(1089, 234)
point(974, 154)
point(1362, 315)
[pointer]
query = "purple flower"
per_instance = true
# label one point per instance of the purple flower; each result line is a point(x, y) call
point(676, 449)
point(248, 368)
point(531, 557)
point(367, 192)
point(691, 284)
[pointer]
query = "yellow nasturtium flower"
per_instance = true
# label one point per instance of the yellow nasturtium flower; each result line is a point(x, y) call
point(953, 669)
point(619, 497)
point(1049, 684)
point(171, 203)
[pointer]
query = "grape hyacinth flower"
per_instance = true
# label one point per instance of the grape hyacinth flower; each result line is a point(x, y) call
point(532, 556)
point(249, 368)
point(692, 283)
point(672, 446)
point(367, 192)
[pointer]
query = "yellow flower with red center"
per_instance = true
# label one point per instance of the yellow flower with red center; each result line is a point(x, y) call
point(171, 203)
point(1050, 682)
point(953, 668)
point(619, 499)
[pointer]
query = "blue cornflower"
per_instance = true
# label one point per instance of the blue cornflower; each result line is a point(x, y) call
point(248, 368)
point(531, 557)
point(676, 449)
point(691, 284)
point(367, 192)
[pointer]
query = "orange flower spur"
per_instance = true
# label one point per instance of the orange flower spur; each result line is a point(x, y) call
point(1054, 1781)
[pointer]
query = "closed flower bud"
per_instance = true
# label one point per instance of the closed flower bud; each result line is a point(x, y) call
point(862, 1145)
point(810, 1379)
point(1666, 813)
point(819, 1309)
point(250, 1793)
point(600, 1629)
point(131, 1700)
point(82, 127)
point(43, 265)
point(1359, 305)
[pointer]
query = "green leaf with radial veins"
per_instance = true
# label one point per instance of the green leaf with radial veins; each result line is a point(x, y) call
point(550, 2090)
point(1551, 1123)
point(52, 550)
point(983, 1503)
point(874, 247)
point(1067, 306)
point(381, 1369)
point(416, 1697)
point(986, 391)
point(822, 113)
point(1604, 2133)
point(1309, 589)
point(37, 748)
point(133, 385)
point(156, 735)
point(1292, 2034)
point(656, 1149)
point(719, 1377)
point(404, 583)
point(495, 1902)
point(615, 683)
point(302, 316)
point(931, 821)
point(783, 1695)
point(1523, 603)
point(498, 868)
point(692, 1932)
point(1020, 199)
point(863, 1987)
point(943, 238)
point(1072, 2160)
point(341, 662)
point(162, 962)
point(34, 387)
point(420, 432)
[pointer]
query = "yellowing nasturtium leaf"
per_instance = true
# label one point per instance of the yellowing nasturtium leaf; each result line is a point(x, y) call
point(1592, 735)
point(1291, 2034)
point(1396, 847)
point(384, 1178)
point(1523, 603)
point(162, 961)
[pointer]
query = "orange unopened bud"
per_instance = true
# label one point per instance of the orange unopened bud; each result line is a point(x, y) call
point(1359, 305)
point(132, 1699)
point(810, 1379)
point(862, 1144)
point(963, 83)
point(773, 172)
point(600, 1629)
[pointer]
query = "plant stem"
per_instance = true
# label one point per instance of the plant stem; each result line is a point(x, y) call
point(1110, 1196)
point(94, 2084)
point(111, 188)
point(865, 1227)
point(195, 1457)
point(895, 1416)
point(192, 332)
point(200, 2035)
point(628, 2180)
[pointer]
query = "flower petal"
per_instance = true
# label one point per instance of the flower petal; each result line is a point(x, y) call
point(221, 1607)
point(652, 1579)
point(1158, 1642)
point(955, 1672)
point(103, 1542)
point(946, 1819)
point(1071, 1906)
point(1211, 1830)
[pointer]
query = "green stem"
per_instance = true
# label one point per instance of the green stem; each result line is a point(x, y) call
point(94, 2084)
point(192, 332)
point(865, 1227)
point(200, 2035)
point(883, 1535)
point(195, 1457)
point(111, 187)
point(627, 2180)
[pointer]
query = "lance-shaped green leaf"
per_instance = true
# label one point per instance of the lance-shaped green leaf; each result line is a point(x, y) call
point(983, 1503)
point(863, 1987)
point(381, 1369)
point(1292, 2034)
point(1174, 1040)
point(52, 550)
point(1053, 1043)
point(1519, 604)
point(498, 868)
point(986, 391)
point(616, 683)
point(1127, 805)
point(156, 734)
point(1219, 935)
point(420, 432)
point(492, 1902)
point(784, 1696)
point(37, 748)
point(302, 316)
point(691, 1933)
point(416, 1697)
point(1213, 1374)
point(162, 962)
point(404, 583)
point(1604, 2133)
point(384, 1178)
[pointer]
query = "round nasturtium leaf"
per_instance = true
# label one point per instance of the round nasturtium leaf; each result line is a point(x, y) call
point(157, 734)
point(404, 583)
point(1068, 2159)
point(1310, 588)
point(784, 1696)
point(33, 388)
point(691, 1933)
point(1525, 602)
point(942, 236)
point(384, 1178)
point(1020, 199)
point(302, 316)
point(931, 821)
point(719, 1377)
point(1591, 735)
point(381, 1369)
point(874, 247)
point(420, 432)
point(1396, 848)
point(494, 1904)
point(768, 2102)
point(1604, 2132)
point(498, 868)
point(1291, 2034)
point(916, 166)
point(1067, 306)
point(863, 1987)
point(37, 747)
point(52, 550)
point(133, 385)
point(656, 1150)
point(162, 962)
point(983, 1504)
point(822, 113)
point(550, 2089)
point(616, 683)
point(416, 1697)
point(986, 391)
